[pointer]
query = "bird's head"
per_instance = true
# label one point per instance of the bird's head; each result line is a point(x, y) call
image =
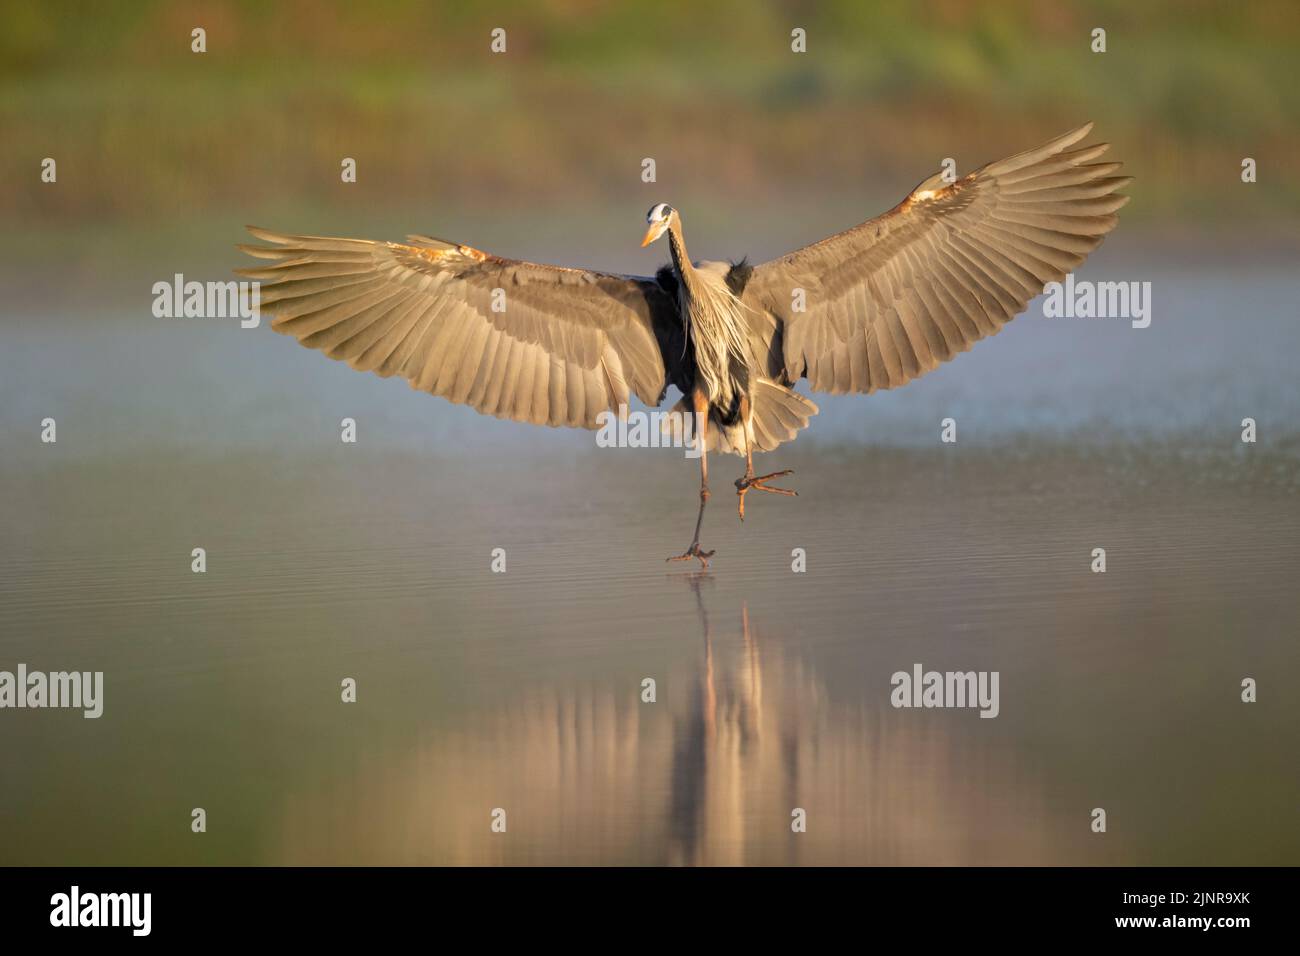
point(659, 217)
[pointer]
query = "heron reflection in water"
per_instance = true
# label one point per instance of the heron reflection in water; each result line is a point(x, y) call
point(745, 729)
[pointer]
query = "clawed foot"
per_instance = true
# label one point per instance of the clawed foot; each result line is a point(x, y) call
point(694, 552)
point(752, 482)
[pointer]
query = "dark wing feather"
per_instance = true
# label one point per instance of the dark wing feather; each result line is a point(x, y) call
point(889, 300)
point(569, 344)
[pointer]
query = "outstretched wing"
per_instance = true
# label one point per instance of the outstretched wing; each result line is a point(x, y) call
point(535, 343)
point(887, 301)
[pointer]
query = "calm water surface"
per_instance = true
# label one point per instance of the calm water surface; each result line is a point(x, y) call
point(522, 690)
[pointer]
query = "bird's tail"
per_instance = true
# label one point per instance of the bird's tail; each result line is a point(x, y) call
point(779, 415)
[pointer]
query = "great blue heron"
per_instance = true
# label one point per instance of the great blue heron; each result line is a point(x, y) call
point(872, 307)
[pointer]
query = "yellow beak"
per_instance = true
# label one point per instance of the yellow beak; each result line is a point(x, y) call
point(654, 232)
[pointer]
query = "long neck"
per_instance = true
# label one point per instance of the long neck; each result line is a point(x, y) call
point(681, 260)
point(714, 322)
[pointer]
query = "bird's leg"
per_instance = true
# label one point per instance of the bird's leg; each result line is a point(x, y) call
point(701, 404)
point(750, 480)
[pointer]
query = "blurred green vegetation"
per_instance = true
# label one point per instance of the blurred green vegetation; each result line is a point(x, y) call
point(145, 130)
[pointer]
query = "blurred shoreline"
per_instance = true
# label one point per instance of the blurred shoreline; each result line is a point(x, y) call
point(145, 130)
point(45, 270)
